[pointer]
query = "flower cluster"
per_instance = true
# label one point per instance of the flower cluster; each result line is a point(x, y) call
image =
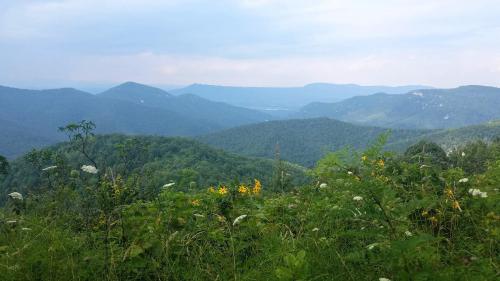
point(89, 169)
point(477, 192)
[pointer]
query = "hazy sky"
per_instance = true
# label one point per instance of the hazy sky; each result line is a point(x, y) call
point(442, 43)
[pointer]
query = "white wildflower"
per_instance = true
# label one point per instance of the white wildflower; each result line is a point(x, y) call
point(477, 192)
point(49, 168)
point(239, 219)
point(464, 180)
point(408, 233)
point(463, 154)
point(323, 185)
point(16, 196)
point(384, 279)
point(372, 246)
point(357, 198)
point(89, 169)
point(168, 185)
point(349, 173)
point(315, 229)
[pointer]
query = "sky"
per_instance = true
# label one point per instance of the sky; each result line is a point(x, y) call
point(441, 43)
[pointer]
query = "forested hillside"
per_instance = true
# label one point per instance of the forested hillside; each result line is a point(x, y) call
point(150, 162)
point(302, 141)
point(424, 109)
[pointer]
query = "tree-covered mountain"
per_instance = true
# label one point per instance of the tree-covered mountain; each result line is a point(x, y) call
point(425, 109)
point(450, 139)
point(273, 99)
point(302, 141)
point(218, 113)
point(30, 118)
point(160, 160)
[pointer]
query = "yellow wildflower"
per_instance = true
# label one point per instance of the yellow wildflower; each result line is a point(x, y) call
point(222, 190)
point(242, 189)
point(449, 192)
point(364, 158)
point(195, 202)
point(257, 187)
point(425, 213)
point(211, 189)
point(381, 163)
point(456, 205)
point(433, 219)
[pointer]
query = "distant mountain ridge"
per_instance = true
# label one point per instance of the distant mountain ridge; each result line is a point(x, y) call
point(425, 109)
point(289, 98)
point(33, 116)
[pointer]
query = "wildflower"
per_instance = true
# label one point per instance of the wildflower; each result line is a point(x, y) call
point(239, 219)
point(221, 218)
point(408, 233)
point(49, 168)
point(456, 205)
point(16, 196)
point(463, 154)
point(477, 192)
point(364, 158)
point(433, 219)
point(211, 189)
point(89, 169)
point(222, 190)
point(384, 279)
point(323, 185)
point(195, 202)
point(357, 198)
point(349, 173)
point(464, 180)
point(243, 189)
point(381, 163)
point(168, 185)
point(372, 246)
point(257, 187)
point(449, 192)
point(315, 229)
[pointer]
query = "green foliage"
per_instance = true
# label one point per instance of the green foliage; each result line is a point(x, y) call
point(369, 215)
point(427, 153)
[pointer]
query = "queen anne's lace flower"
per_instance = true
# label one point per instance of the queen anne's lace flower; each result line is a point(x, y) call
point(168, 185)
point(357, 198)
point(477, 192)
point(89, 169)
point(323, 185)
point(464, 180)
point(239, 219)
point(16, 196)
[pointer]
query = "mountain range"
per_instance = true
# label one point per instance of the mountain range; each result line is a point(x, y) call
point(283, 100)
point(30, 118)
point(421, 109)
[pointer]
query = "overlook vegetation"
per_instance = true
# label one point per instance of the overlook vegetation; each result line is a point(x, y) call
point(368, 215)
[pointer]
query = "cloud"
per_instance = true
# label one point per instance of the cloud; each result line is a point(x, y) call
point(259, 42)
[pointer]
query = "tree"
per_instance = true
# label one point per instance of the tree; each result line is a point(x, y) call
point(4, 166)
point(425, 152)
point(81, 134)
